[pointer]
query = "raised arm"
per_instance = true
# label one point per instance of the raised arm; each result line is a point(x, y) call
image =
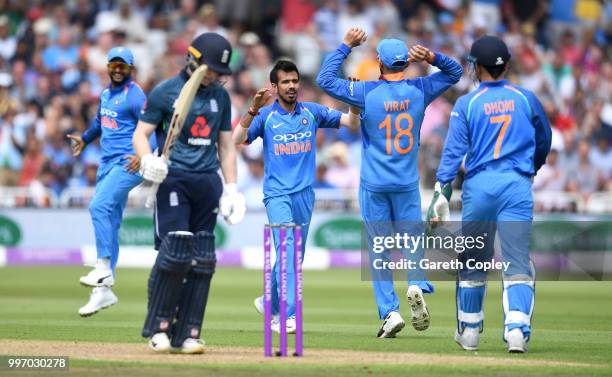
point(241, 132)
point(347, 91)
point(436, 84)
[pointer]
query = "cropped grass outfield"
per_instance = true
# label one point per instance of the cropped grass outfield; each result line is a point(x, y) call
point(572, 327)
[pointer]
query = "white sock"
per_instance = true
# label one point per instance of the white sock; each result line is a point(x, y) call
point(103, 263)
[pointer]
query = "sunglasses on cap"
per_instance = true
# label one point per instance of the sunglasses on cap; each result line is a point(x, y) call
point(118, 65)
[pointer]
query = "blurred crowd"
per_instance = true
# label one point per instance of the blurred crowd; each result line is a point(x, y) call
point(53, 68)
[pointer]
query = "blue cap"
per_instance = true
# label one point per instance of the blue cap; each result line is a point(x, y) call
point(393, 53)
point(122, 53)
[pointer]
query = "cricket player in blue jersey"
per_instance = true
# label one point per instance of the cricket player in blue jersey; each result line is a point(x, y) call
point(392, 111)
point(288, 129)
point(191, 194)
point(502, 131)
point(115, 123)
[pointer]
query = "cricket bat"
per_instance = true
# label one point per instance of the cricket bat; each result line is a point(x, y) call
point(181, 110)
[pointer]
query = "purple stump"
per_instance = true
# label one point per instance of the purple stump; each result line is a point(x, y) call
point(282, 286)
point(267, 293)
point(297, 260)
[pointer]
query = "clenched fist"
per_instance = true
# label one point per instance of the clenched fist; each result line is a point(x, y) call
point(354, 37)
point(419, 53)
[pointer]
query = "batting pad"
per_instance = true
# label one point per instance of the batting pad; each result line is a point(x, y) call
point(470, 297)
point(166, 281)
point(195, 291)
point(518, 301)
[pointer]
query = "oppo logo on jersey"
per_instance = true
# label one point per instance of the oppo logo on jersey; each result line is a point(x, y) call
point(107, 118)
point(293, 137)
point(106, 112)
point(293, 143)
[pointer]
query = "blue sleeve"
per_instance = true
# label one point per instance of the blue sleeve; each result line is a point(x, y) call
point(137, 100)
point(256, 129)
point(326, 116)
point(346, 91)
point(94, 130)
point(456, 145)
point(434, 85)
point(543, 133)
point(226, 117)
point(153, 111)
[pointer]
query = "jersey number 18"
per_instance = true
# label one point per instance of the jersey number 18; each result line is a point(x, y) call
point(401, 132)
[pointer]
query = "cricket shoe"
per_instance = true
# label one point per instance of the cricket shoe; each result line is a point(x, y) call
point(100, 298)
point(290, 324)
point(98, 277)
point(516, 341)
point(468, 339)
point(190, 346)
point(160, 342)
point(393, 324)
point(420, 314)
point(259, 305)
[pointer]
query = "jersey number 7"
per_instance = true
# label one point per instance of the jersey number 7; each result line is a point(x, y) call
point(407, 132)
point(505, 120)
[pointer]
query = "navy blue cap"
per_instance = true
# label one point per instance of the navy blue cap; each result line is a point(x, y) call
point(489, 51)
point(213, 50)
point(122, 53)
point(393, 53)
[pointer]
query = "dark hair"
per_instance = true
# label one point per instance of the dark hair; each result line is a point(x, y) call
point(496, 70)
point(285, 66)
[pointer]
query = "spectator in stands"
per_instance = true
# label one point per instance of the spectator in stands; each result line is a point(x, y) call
point(601, 157)
point(33, 161)
point(8, 43)
point(10, 154)
point(208, 22)
point(552, 176)
point(340, 172)
point(586, 179)
point(251, 185)
point(326, 22)
point(63, 55)
point(320, 182)
point(45, 80)
point(57, 150)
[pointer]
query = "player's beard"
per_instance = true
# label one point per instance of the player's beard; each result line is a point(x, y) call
point(287, 100)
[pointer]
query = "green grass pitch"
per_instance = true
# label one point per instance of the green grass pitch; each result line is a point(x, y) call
point(572, 324)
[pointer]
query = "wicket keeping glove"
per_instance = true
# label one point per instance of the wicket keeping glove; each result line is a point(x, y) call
point(232, 205)
point(153, 168)
point(438, 209)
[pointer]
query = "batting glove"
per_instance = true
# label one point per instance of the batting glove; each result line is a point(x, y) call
point(232, 205)
point(438, 209)
point(153, 168)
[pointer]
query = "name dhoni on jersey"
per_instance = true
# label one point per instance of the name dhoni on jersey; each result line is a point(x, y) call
point(498, 107)
point(392, 106)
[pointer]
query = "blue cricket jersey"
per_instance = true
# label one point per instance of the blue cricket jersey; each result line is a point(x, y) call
point(116, 120)
point(500, 126)
point(289, 144)
point(391, 117)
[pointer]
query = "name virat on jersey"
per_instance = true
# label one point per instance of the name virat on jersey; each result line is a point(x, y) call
point(394, 106)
